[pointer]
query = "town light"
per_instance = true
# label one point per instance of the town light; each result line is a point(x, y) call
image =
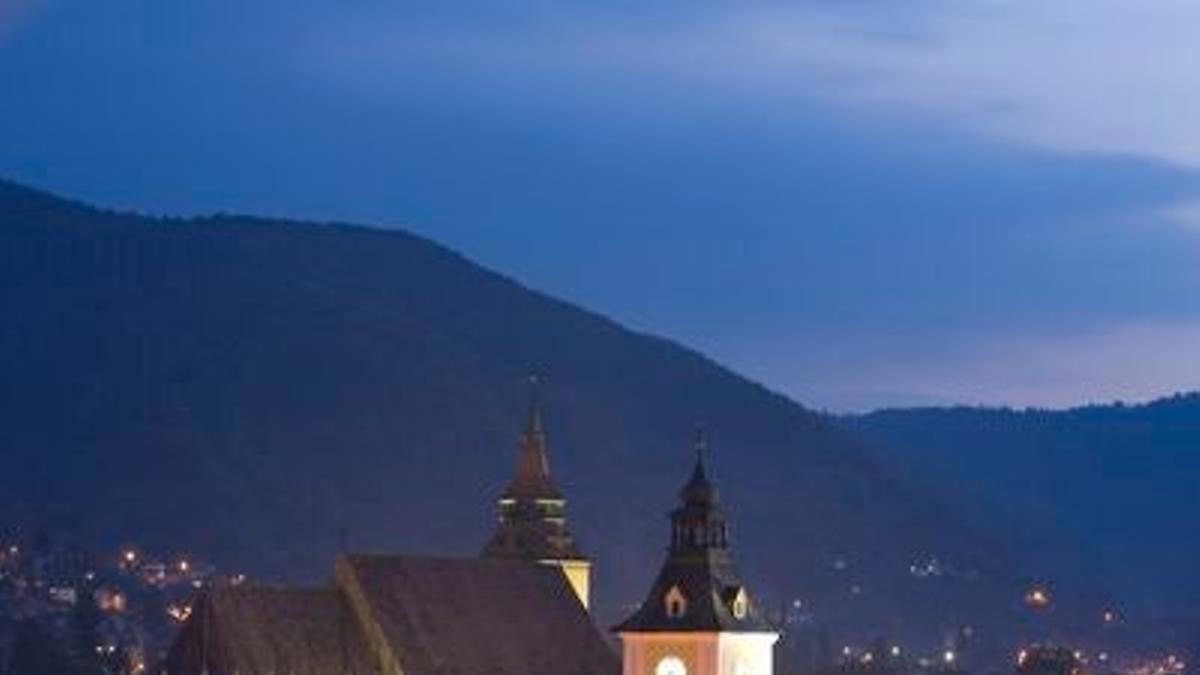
point(180, 613)
point(1037, 597)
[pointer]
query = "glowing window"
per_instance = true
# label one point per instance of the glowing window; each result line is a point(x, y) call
point(741, 605)
point(670, 665)
point(676, 604)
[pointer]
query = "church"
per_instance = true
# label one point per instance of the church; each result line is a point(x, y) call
point(520, 608)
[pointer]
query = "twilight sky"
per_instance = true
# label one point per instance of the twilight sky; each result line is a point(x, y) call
point(857, 202)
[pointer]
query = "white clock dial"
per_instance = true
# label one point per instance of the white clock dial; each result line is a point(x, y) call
point(671, 665)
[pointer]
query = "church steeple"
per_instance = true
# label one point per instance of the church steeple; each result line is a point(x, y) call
point(699, 525)
point(698, 590)
point(532, 479)
point(533, 519)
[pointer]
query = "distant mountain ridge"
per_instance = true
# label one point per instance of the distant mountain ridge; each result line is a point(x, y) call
point(1104, 497)
point(269, 392)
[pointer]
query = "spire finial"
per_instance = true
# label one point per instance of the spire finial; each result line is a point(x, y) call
point(533, 424)
point(700, 444)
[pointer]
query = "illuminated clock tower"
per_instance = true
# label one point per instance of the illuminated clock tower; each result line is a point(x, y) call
point(698, 619)
point(533, 518)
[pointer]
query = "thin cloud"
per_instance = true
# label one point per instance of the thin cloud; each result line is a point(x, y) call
point(14, 14)
point(908, 186)
point(1131, 361)
point(1185, 213)
point(1095, 76)
point(1134, 362)
point(1112, 76)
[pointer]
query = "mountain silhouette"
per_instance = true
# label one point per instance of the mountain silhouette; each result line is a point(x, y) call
point(264, 393)
point(1101, 499)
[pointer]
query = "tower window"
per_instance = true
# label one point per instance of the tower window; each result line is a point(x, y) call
point(675, 603)
point(741, 604)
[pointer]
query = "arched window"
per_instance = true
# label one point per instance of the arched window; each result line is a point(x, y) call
point(675, 603)
point(741, 604)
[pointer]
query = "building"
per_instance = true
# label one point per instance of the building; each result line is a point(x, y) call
point(518, 609)
point(1048, 660)
point(398, 615)
point(698, 618)
point(532, 511)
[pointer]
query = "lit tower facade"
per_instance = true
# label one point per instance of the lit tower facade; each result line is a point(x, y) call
point(533, 518)
point(698, 618)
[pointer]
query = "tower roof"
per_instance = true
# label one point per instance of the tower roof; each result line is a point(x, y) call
point(533, 522)
point(699, 491)
point(698, 588)
point(532, 478)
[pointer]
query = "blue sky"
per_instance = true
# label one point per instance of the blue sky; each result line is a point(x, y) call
point(858, 202)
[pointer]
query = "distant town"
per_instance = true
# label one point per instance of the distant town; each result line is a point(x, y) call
point(65, 610)
point(129, 610)
point(117, 613)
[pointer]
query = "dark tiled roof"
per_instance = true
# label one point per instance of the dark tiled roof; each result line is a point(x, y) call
point(709, 584)
point(399, 616)
point(476, 617)
point(282, 631)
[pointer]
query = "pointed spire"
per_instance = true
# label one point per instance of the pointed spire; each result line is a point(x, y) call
point(532, 510)
point(699, 490)
point(533, 463)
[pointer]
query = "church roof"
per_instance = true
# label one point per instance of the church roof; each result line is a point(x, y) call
point(249, 629)
point(399, 615)
point(709, 585)
point(477, 617)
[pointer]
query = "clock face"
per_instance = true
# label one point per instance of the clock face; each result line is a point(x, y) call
point(671, 665)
